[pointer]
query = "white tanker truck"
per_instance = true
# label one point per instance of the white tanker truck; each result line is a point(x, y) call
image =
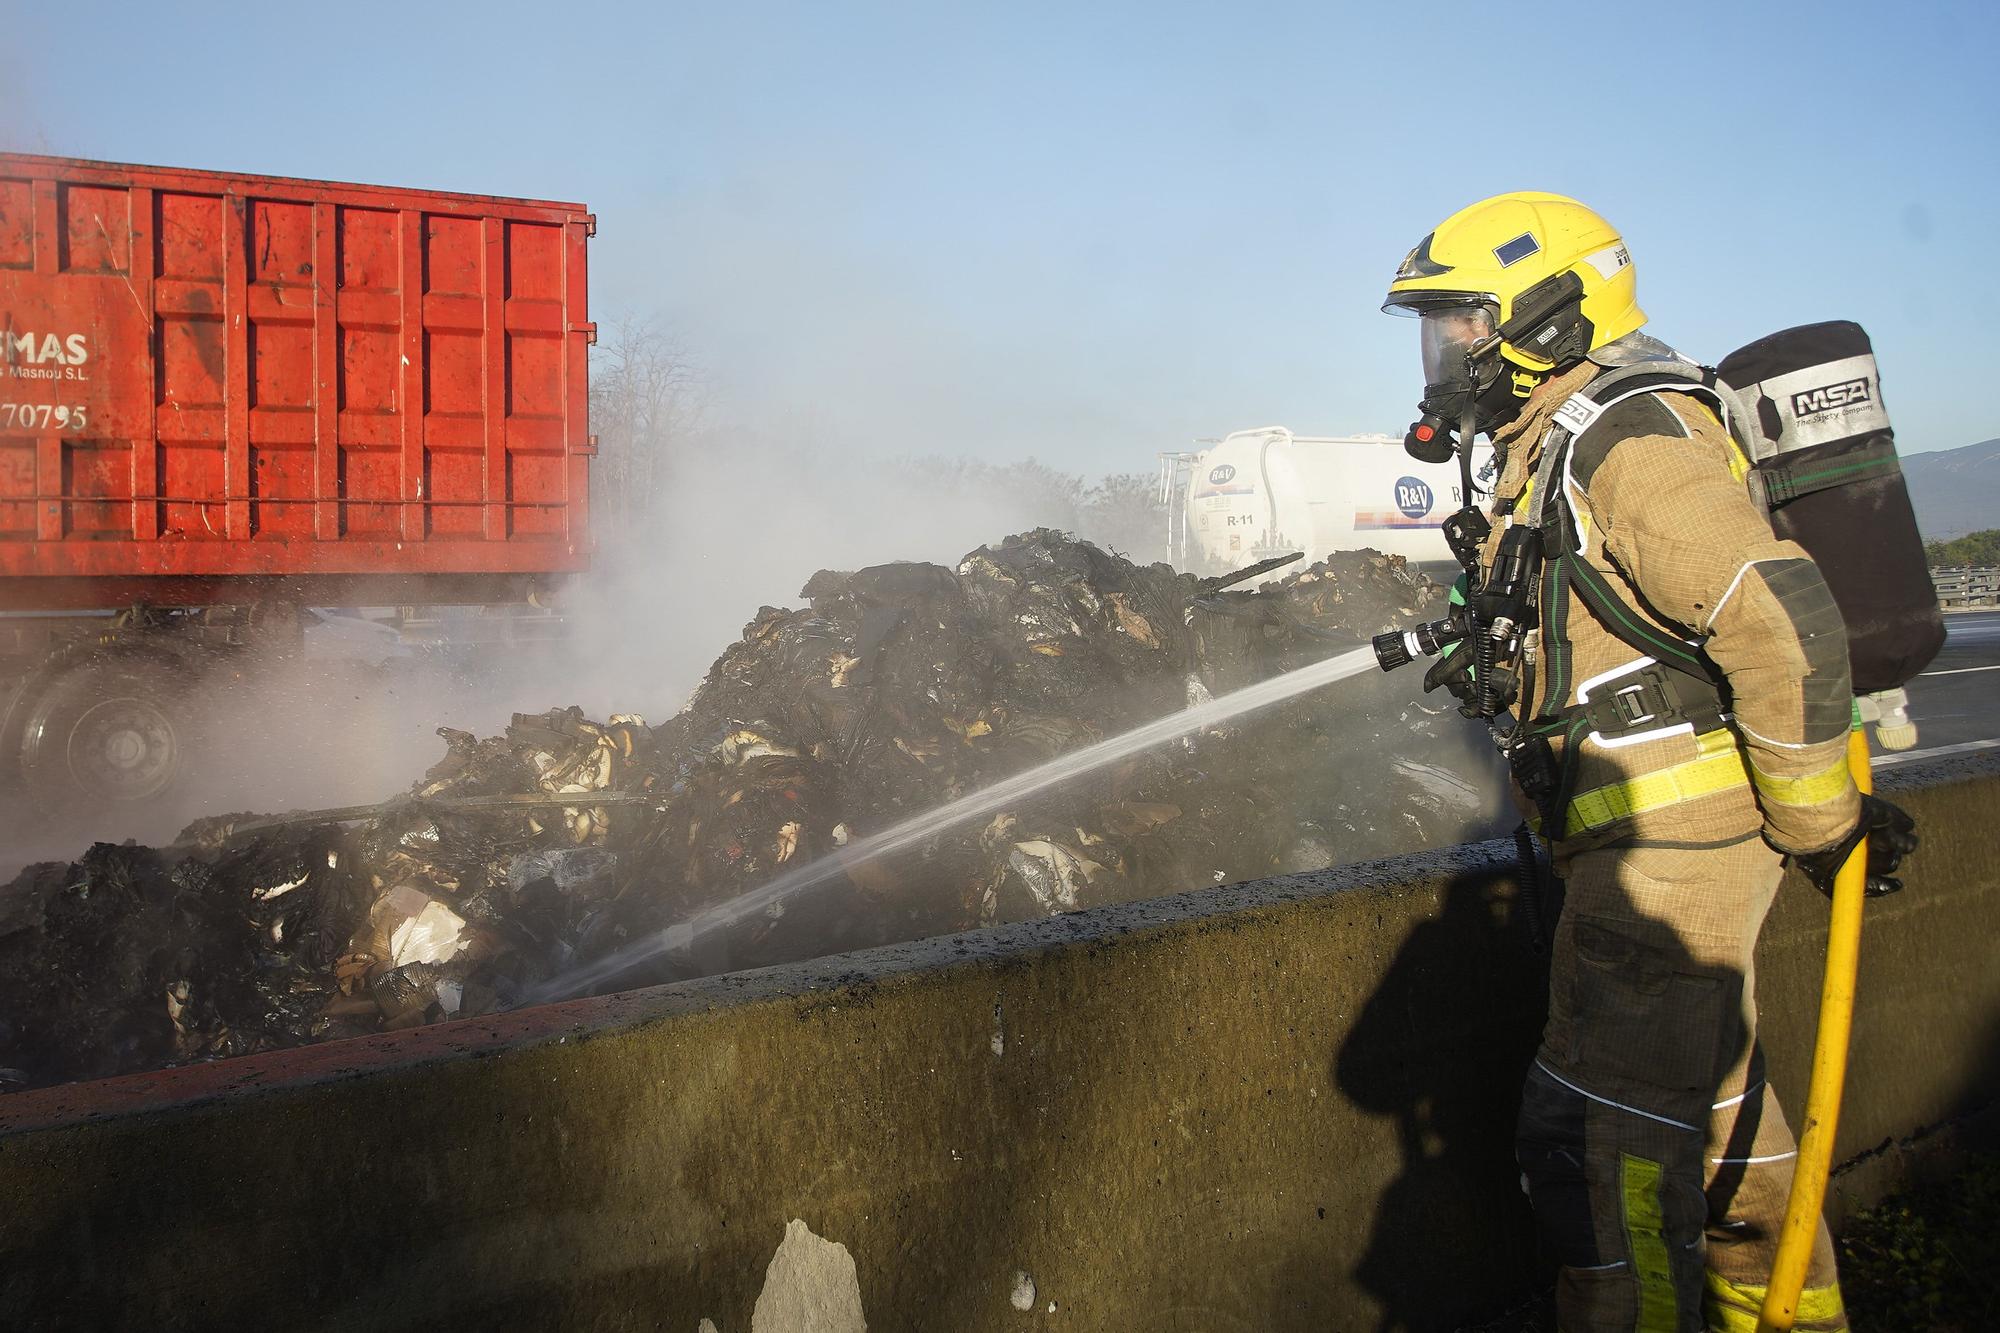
point(1261, 493)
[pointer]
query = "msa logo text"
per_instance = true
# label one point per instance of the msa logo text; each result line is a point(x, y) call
point(37, 349)
point(1829, 396)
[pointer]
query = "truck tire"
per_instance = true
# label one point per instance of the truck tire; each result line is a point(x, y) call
point(108, 731)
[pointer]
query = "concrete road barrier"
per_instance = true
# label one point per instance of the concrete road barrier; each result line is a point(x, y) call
point(1277, 1105)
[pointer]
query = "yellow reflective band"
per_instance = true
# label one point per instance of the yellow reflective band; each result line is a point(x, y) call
point(1719, 768)
point(1813, 789)
point(1734, 1307)
point(1645, 1234)
point(1731, 1307)
point(1739, 462)
point(1822, 1308)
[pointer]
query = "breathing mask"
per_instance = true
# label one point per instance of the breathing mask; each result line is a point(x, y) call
point(1470, 384)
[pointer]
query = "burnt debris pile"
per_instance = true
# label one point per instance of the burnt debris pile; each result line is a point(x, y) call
point(256, 932)
point(892, 691)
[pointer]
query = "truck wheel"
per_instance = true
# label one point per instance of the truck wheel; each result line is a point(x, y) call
point(106, 731)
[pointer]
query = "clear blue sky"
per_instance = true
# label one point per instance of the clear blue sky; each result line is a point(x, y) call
point(1089, 232)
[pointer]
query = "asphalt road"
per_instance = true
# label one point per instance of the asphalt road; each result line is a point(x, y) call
point(1956, 701)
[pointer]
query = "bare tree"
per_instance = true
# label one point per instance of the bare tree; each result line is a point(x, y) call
point(1121, 512)
point(649, 403)
point(1124, 513)
point(647, 397)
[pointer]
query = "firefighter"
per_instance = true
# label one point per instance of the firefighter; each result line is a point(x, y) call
point(1678, 709)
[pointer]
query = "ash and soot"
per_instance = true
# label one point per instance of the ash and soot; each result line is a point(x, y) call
point(917, 750)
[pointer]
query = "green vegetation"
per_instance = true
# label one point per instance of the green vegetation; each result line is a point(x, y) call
point(1928, 1259)
point(1976, 548)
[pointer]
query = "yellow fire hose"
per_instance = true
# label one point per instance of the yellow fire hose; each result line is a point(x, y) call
point(1829, 1073)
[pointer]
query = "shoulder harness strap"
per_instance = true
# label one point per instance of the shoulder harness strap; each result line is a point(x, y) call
point(1580, 411)
point(1673, 685)
point(1549, 507)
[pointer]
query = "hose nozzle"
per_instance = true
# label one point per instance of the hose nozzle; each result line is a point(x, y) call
point(1401, 647)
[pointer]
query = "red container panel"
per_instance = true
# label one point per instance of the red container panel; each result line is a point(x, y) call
point(205, 377)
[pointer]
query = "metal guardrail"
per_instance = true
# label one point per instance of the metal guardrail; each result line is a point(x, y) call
point(1974, 586)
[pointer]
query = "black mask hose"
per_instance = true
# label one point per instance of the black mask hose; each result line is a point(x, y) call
point(1466, 426)
point(1485, 659)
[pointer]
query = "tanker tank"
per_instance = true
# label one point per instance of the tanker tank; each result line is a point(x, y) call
point(1267, 492)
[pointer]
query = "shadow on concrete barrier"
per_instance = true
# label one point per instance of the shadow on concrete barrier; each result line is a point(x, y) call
point(1286, 1104)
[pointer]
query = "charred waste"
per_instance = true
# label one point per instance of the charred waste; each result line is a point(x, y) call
point(892, 691)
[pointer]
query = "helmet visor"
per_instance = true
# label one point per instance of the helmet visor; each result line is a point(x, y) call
point(1449, 334)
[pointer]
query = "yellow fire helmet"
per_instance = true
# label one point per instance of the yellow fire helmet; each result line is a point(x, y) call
point(1556, 276)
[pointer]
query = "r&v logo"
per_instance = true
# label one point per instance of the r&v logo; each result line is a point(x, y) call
point(1413, 497)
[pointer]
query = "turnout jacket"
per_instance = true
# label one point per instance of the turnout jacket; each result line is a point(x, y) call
point(1656, 487)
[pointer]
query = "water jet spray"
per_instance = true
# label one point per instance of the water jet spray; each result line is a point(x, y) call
point(682, 937)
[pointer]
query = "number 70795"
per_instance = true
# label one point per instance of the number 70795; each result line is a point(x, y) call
point(43, 416)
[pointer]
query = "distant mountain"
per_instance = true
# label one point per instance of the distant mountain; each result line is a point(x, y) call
point(1955, 491)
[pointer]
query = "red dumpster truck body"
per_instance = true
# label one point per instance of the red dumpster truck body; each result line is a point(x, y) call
point(226, 399)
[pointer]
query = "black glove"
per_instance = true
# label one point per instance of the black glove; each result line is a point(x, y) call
point(1891, 834)
point(1453, 670)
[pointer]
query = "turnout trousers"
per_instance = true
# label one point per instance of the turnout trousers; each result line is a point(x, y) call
point(1654, 1153)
